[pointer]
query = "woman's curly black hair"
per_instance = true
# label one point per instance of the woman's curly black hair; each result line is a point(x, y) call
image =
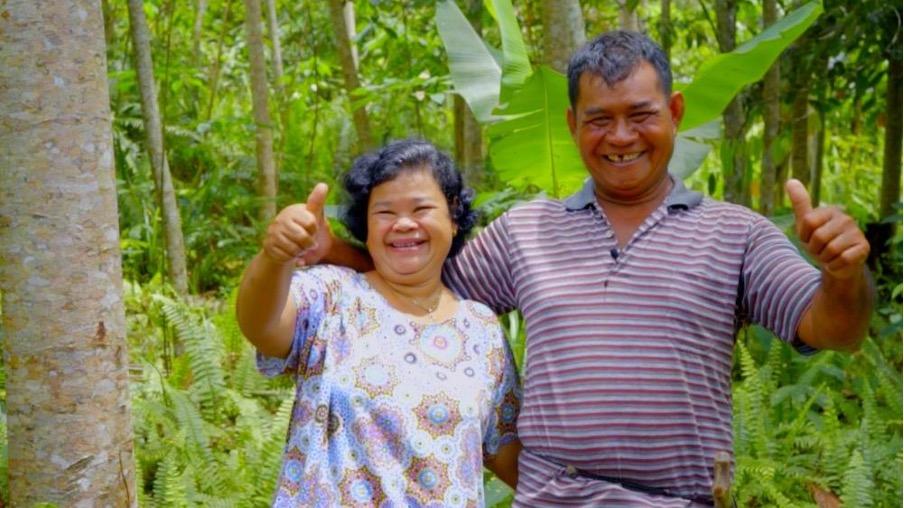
point(387, 163)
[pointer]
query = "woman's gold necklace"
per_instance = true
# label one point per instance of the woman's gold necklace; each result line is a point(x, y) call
point(429, 308)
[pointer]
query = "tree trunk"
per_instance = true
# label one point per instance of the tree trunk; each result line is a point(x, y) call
point(163, 183)
point(891, 163)
point(800, 165)
point(665, 27)
point(818, 148)
point(468, 139)
point(69, 416)
point(273, 23)
point(734, 157)
point(563, 33)
point(771, 119)
point(627, 18)
point(343, 30)
point(196, 32)
point(108, 22)
point(259, 97)
point(348, 18)
point(214, 79)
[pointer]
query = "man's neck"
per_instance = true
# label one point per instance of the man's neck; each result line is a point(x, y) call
point(626, 215)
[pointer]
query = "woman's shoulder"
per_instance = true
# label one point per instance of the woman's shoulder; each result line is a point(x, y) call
point(328, 273)
point(323, 279)
point(480, 314)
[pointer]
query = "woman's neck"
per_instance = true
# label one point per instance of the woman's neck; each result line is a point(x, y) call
point(423, 296)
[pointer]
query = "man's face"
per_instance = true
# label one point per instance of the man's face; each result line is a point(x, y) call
point(625, 133)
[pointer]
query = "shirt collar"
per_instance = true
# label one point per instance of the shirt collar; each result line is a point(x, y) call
point(679, 198)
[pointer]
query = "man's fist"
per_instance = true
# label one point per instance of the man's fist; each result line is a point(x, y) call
point(829, 235)
point(299, 232)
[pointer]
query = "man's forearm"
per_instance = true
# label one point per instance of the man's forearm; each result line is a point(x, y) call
point(839, 315)
point(343, 253)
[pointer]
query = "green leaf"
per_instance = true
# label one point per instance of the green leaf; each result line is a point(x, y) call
point(515, 63)
point(533, 145)
point(691, 147)
point(722, 77)
point(475, 73)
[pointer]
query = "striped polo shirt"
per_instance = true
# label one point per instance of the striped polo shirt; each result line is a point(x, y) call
point(629, 349)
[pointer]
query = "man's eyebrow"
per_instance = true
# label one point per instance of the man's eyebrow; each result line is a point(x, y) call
point(595, 110)
point(642, 105)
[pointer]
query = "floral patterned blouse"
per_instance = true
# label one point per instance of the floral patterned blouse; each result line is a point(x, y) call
point(390, 411)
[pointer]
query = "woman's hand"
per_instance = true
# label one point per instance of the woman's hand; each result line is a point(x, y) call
point(300, 233)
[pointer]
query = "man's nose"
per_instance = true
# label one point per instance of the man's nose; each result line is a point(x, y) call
point(622, 132)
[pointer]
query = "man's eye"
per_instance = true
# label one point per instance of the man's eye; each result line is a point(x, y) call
point(641, 116)
point(601, 122)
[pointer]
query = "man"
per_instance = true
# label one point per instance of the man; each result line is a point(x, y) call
point(633, 290)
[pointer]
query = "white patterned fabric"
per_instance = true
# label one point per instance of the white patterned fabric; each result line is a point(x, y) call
point(389, 411)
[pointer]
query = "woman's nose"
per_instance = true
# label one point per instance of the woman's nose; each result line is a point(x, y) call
point(404, 224)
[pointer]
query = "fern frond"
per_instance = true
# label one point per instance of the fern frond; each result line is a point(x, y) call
point(204, 351)
point(858, 484)
point(169, 484)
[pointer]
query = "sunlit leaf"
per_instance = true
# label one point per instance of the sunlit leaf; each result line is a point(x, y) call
point(475, 73)
point(691, 148)
point(515, 63)
point(533, 144)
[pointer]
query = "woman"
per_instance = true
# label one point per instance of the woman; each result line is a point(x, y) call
point(401, 389)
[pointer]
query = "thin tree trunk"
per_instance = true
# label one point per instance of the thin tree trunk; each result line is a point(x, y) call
point(733, 146)
point(468, 139)
point(771, 119)
point(276, 57)
point(818, 149)
point(259, 96)
point(163, 183)
point(665, 27)
point(273, 24)
point(218, 61)
point(563, 33)
point(69, 416)
point(343, 30)
point(108, 23)
point(627, 17)
point(196, 32)
point(348, 16)
point(800, 165)
point(891, 163)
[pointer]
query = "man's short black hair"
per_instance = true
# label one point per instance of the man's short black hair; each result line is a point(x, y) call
point(387, 163)
point(613, 56)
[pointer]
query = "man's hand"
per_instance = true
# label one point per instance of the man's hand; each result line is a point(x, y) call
point(300, 232)
point(829, 235)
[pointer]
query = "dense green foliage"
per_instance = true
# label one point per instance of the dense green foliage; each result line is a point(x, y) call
point(209, 430)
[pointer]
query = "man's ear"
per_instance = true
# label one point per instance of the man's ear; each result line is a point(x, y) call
point(572, 121)
point(676, 106)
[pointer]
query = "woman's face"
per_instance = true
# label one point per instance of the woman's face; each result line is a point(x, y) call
point(409, 229)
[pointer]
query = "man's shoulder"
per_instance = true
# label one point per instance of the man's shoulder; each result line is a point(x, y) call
point(723, 211)
point(535, 209)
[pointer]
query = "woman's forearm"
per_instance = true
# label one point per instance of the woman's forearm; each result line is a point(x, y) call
point(265, 313)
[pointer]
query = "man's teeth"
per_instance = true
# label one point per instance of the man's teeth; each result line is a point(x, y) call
point(625, 157)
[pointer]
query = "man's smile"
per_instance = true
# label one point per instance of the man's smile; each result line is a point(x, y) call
point(622, 158)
